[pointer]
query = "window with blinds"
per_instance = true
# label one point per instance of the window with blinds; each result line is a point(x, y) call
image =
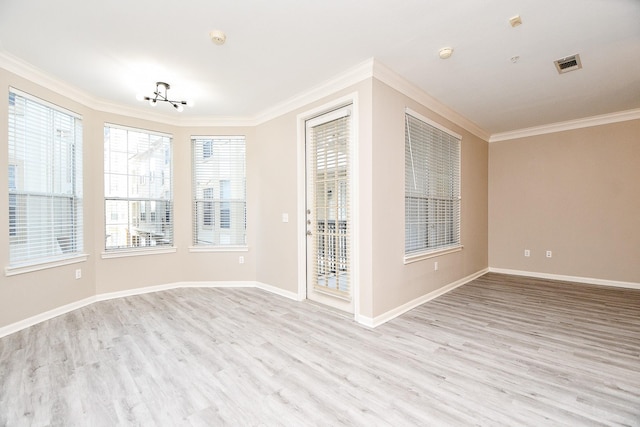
point(138, 189)
point(45, 181)
point(219, 193)
point(432, 186)
point(328, 190)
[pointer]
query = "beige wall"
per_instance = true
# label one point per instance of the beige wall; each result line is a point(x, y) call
point(30, 294)
point(576, 193)
point(119, 274)
point(395, 283)
point(383, 281)
point(279, 144)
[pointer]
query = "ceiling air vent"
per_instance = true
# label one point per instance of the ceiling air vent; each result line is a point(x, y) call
point(570, 63)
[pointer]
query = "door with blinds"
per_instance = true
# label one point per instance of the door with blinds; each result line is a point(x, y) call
point(329, 259)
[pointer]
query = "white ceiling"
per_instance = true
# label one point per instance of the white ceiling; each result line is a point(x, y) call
point(277, 49)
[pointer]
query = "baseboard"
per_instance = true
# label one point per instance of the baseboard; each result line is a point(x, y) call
point(47, 315)
point(278, 291)
point(34, 320)
point(392, 314)
point(577, 279)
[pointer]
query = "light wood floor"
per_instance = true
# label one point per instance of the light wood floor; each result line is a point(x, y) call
point(501, 350)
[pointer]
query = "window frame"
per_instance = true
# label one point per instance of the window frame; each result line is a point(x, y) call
point(59, 135)
point(149, 209)
point(455, 198)
point(228, 210)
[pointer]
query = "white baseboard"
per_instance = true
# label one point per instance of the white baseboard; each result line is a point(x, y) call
point(577, 279)
point(392, 314)
point(278, 291)
point(23, 324)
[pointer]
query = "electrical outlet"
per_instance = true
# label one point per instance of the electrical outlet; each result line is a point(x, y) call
point(527, 252)
point(78, 273)
point(435, 266)
point(285, 217)
point(241, 260)
point(549, 254)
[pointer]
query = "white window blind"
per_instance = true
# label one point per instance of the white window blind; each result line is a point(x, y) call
point(432, 187)
point(45, 181)
point(138, 190)
point(219, 193)
point(329, 139)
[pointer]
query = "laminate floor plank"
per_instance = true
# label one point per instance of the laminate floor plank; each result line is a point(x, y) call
point(501, 350)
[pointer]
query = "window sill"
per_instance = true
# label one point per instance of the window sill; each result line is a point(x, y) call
point(122, 253)
point(408, 259)
point(204, 248)
point(13, 271)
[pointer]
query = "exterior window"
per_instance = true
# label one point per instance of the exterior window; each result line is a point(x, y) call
point(219, 170)
point(432, 187)
point(207, 148)
point(45, 181)
point(138, 188)
point(207, 213)
point(13, 202)
point(225, 204)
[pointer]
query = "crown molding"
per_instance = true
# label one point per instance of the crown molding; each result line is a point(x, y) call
point(352, 76)
point(394, 80)
point(364, 70)
point(604, 119)
point(29, 72)
point(35, 75)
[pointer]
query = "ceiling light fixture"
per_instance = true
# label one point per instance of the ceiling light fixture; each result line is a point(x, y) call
point(446, 52)
point(160, 94)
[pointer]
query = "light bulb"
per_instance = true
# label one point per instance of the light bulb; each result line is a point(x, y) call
point(140, 97)
point(152, 102)
point(180, 108)
point(190, 103)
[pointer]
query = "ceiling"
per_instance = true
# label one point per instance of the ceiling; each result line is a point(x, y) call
point(278, 49)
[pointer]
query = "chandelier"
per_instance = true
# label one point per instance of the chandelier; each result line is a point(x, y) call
point(160, 95)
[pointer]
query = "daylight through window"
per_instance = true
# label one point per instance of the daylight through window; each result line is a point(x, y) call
point(219, 194)
point(432, 186)
point(45, 181)
point(138, 191)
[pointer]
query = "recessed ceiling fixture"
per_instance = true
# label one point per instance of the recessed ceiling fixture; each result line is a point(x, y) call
point(446, 52)
point(160, 94)
point(568, 63)
point(218, 37)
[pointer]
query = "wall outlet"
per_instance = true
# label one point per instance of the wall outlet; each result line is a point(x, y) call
point(435, 266)
point(285, 217)
point(241, 260)
point(527, 252)
point(78, 273)
point(549, 254)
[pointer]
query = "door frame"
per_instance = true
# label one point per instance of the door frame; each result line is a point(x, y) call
point(350, 99)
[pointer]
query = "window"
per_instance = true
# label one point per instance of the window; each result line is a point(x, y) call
point(138, 188)
point(219, 169)
point(225, 205)
point(207, 215)
point(13, 202)
point(45, 181)
point(432, 186)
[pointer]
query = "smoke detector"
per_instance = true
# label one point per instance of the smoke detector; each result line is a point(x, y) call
point(515, 21)
point(218, 37)
point(445, 52)
point(569, 63)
